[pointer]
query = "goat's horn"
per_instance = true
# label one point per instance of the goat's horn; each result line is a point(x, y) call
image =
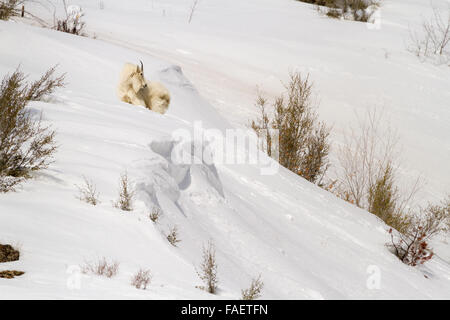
point(142, 66)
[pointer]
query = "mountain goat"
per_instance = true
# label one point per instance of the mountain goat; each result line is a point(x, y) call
point(156, 97)
point(135, 89)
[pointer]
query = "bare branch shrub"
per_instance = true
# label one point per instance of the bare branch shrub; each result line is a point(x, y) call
point(141, 279)
point(411, 248)
point(254, 292)
point(71, 23)
point(367, 175)
point(9, 184)
point(434, 38)
point(25, 144)
point(192, 9)
point(126, 194)
point(172, 237)
point(438, 217)
point(88, 192)
point(303, 140)
point(208, 269)
point(155, 214)
point(411, 245)
point(366, 153)
point(262, 125)
point(45, 85)
point(101, 268)
point(70, 26)
point(383, 194)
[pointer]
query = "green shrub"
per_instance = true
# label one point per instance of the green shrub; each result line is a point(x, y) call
point(383, 194)
point(303, 144)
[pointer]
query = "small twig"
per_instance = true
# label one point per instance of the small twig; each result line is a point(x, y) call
point(193, 7)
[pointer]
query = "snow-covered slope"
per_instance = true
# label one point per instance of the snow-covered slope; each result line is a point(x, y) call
point(303, 241)
point(354, 66)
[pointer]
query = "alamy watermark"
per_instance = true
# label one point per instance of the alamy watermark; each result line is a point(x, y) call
point(232, 146)
point(373, 282)
point(75, 275)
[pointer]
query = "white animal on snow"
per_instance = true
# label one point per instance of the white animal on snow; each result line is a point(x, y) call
point(135, 89)
point(131, 82)
point(156, 96)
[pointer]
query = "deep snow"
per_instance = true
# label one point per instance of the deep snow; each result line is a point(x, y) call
point(303, 241)
point(354, 66)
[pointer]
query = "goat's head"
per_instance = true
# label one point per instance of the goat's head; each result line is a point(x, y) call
point(137, 78)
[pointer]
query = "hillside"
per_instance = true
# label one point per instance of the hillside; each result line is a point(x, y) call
point(305, 242)
point(243, 45)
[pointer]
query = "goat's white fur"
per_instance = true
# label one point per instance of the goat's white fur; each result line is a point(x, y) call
point(135, 89)
point(156, 97)
point(131, 81)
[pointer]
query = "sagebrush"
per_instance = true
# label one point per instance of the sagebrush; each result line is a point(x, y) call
point(208, 269)
point(303, 141)
point(433, 40)
point(26, 145)
point(141, 279)
point(173, 236)
point(88, 192)
point(10, 8)
point(126, 193)
point(155, 214)
point(254, 291)
point(102, 267)
point(384, 201)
